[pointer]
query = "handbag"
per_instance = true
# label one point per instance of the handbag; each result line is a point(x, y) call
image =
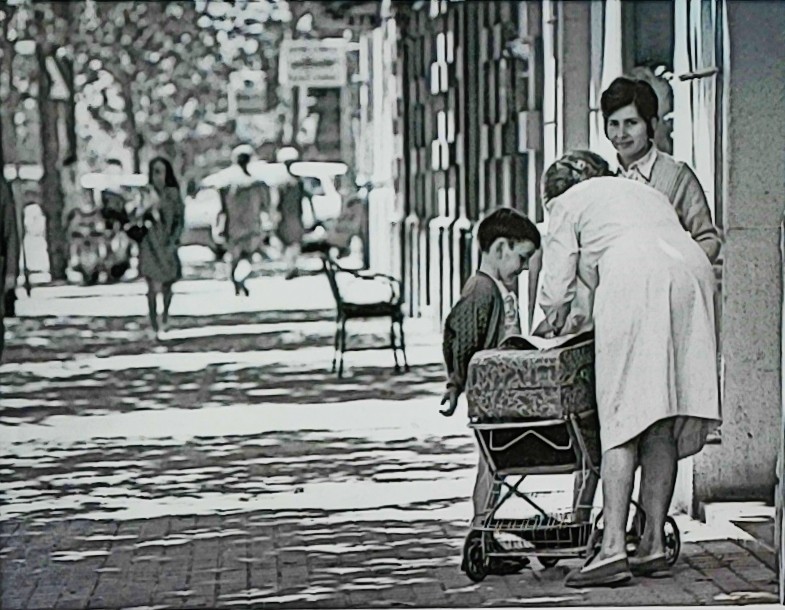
point(136, 232)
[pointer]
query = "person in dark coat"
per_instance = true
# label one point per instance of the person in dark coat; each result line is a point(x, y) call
point(290, 228)
point(9, 254)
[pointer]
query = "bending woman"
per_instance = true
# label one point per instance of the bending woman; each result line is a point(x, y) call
point(655, 347)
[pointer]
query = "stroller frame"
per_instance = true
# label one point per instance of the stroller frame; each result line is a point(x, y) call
point(548, 536)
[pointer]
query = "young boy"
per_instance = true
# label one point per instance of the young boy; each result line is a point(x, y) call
point(487, 312)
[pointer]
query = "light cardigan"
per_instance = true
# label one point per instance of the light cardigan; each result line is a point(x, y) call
point(681, 186)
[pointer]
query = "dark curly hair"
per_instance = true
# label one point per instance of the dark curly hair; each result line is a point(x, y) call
point(624, 91)
point(569, 170)
point(507, 223)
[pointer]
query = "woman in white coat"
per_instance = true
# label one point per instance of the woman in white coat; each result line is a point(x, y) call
point(655, 347)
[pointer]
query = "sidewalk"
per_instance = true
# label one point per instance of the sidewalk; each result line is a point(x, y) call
point(263, 559)
point(229, 468)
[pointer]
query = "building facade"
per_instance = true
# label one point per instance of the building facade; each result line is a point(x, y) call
point(476, 98)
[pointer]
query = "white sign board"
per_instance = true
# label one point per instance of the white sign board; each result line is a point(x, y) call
point(247, 93)
point(313, 63)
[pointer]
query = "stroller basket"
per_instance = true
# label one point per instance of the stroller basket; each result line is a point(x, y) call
point(551, 532)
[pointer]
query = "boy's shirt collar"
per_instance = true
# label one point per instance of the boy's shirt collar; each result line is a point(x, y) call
point(499, 284)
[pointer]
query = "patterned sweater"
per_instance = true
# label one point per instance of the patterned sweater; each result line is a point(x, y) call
point(476, 322)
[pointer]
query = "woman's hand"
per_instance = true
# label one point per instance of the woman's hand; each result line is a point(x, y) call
point(545, 330)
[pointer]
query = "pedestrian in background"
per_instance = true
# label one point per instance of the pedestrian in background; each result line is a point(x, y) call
point(160, 223)
point(242, 203)
point(9, 247)
point(290, 228)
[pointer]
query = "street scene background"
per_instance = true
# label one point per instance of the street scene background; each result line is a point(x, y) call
point(209, 454)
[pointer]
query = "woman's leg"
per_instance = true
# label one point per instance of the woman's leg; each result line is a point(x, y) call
point(618, 472)
point(291, 254)
point(167, 291)
point(152, 306)
point(658, 479)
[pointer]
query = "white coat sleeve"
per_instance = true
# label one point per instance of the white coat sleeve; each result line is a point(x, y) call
point(559, 265)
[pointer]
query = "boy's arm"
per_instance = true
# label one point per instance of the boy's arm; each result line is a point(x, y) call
point(464, 333)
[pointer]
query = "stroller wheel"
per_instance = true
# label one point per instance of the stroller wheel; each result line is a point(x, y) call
point(672, 541)
point(548, 562)
point(475, 563)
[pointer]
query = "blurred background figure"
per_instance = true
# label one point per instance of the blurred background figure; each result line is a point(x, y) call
point(157, 225)
point(242, 203)
point(9, 246)
point(290, 228)
point(113, 210)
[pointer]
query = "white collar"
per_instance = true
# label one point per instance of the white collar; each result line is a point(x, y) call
point(643, 166)
point(502, 288)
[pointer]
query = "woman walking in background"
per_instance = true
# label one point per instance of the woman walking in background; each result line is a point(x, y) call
point(162, 217)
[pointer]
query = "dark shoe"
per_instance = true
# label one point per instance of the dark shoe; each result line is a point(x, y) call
point(652, 566)
point(292, 274)
point(606, 573)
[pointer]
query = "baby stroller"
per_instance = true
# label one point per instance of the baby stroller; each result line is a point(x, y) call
point(534, 412)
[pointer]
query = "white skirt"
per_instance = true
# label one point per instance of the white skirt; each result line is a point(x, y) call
point(656, 354)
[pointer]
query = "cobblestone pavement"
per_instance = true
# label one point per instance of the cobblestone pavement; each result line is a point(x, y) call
point(227, 467)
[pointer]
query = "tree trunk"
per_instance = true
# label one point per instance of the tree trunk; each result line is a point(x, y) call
point(51, 191)
point(134, 139)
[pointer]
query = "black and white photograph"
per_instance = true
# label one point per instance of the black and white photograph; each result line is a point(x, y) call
point(392, 303)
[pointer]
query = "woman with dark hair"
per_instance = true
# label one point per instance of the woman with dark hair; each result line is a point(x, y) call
point(630, 110)
point(162, 218)
point(655, 347)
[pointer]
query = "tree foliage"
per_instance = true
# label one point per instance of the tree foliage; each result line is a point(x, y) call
point(159, 71)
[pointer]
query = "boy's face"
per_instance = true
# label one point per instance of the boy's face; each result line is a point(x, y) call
point(512, 257)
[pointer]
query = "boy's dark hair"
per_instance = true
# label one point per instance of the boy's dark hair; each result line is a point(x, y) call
point(508, 224)
point(625, 91)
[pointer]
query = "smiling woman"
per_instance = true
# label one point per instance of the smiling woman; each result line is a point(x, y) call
point(630, 110)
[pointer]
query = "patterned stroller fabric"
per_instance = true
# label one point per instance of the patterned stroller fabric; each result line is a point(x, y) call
point(520, 385)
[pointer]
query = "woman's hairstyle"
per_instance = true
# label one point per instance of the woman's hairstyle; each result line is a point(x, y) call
point(569, 170)
point(625, 91)
point(169, 179)
point(508, 224)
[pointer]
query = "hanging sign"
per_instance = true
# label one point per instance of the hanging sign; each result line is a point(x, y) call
point(313, 63)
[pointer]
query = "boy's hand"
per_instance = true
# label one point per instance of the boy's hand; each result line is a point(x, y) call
point(450, 396)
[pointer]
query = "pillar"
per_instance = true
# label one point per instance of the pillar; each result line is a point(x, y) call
point(743, 465)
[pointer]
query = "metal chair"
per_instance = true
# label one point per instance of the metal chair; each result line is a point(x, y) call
point(347, 310)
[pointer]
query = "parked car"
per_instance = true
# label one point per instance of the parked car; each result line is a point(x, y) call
point(319, 178)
